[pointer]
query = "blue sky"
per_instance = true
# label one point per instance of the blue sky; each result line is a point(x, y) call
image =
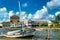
point(30, 9)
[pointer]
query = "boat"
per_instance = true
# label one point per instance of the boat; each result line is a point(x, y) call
point(20, 33)
point(25, 31)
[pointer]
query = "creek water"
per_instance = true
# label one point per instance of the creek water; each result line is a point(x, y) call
point(39, 35)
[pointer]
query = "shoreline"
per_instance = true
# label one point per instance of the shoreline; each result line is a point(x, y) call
point(46, 28)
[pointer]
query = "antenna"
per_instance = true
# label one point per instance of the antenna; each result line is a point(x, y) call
point(19, 8)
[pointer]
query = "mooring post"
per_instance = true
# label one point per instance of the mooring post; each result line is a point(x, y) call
point(48, 34)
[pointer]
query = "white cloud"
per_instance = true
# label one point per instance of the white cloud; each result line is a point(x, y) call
point(25, 5)
point(30, 16)
point(23, 15)
point(53, 4)
point(51, 16)
point(40, 13)
point(57, 13)
point(3, 14)
point(11, 13)
point(4, 20)
point(7, 20)
point(17, 13)
point(3, 9)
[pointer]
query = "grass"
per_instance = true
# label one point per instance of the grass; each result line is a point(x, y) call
point(50, 26)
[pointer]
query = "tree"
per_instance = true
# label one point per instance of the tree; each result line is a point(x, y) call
point(57, 18)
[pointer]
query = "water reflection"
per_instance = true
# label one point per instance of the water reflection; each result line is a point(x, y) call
point(43, 35)
point(39, 35)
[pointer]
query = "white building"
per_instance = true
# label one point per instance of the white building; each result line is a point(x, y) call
point(37, 22)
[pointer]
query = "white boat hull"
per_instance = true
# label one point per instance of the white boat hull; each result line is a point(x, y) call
point(24, 35)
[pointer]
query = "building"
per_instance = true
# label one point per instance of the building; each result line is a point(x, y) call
point(31, 23)
point(14, 22)
point(36, 23)
point(1, 25)
point(44, 22)
point(25, 22)
point(14, 19)
point(6, 24)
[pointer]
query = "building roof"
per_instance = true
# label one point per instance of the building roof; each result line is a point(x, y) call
point(6, 23)
point(14, 17)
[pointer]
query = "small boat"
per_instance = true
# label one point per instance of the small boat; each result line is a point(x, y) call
point(20, 33)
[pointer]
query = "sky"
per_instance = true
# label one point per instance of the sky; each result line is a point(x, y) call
point(30, 9)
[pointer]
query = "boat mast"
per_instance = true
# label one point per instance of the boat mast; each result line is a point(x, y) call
point(19, 4)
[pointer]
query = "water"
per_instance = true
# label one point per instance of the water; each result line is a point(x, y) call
point(43, 35)
point(3, 31)
point(39, 35)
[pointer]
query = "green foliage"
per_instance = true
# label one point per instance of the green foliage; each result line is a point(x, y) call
point(57, 18)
